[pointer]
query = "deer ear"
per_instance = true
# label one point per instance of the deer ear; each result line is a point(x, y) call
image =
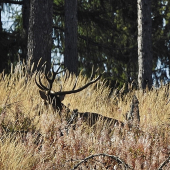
point(61, 97)
point(43, 95)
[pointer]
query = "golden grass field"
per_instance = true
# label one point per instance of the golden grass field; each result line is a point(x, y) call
point(30, 136)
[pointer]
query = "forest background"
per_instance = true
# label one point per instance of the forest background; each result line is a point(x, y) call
point(107, 38)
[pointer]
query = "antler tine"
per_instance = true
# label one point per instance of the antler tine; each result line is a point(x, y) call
point(50, 81)
point(44, 87)
point(37, 82)
point(58, 70)
point(41, 86)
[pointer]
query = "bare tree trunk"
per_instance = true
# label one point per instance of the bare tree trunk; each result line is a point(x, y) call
point(144, 44)
point(25, 23)
point(133, 116)
point(25, 15)
point(40, 33)
point(71, 56)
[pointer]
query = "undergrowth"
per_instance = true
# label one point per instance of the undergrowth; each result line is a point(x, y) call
point(33, 137)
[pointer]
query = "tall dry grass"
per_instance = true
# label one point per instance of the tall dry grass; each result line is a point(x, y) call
point(30, 135)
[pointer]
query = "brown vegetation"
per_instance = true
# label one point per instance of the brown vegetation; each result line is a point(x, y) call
point(30, 134)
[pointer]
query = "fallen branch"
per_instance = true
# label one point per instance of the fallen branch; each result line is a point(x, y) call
point(164, 163)
point(119, 161)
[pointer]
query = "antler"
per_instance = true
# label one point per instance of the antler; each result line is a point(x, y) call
point(51, 80)
point(81, 88)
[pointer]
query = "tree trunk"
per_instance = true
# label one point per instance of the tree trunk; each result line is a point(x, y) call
point(144, 44)
point(71, 56)
point(25, 23)
point(40, 34)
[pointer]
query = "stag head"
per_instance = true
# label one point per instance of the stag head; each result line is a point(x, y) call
point(56, 98)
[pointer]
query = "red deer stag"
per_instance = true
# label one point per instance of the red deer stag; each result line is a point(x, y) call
point(55, 99)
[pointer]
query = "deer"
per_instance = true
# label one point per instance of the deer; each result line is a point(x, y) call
point(55, 100)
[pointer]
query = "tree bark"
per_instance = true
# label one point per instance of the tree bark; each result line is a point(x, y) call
point(25, 23)
point(40, 34)
point(71, 56)
point(144, 44)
